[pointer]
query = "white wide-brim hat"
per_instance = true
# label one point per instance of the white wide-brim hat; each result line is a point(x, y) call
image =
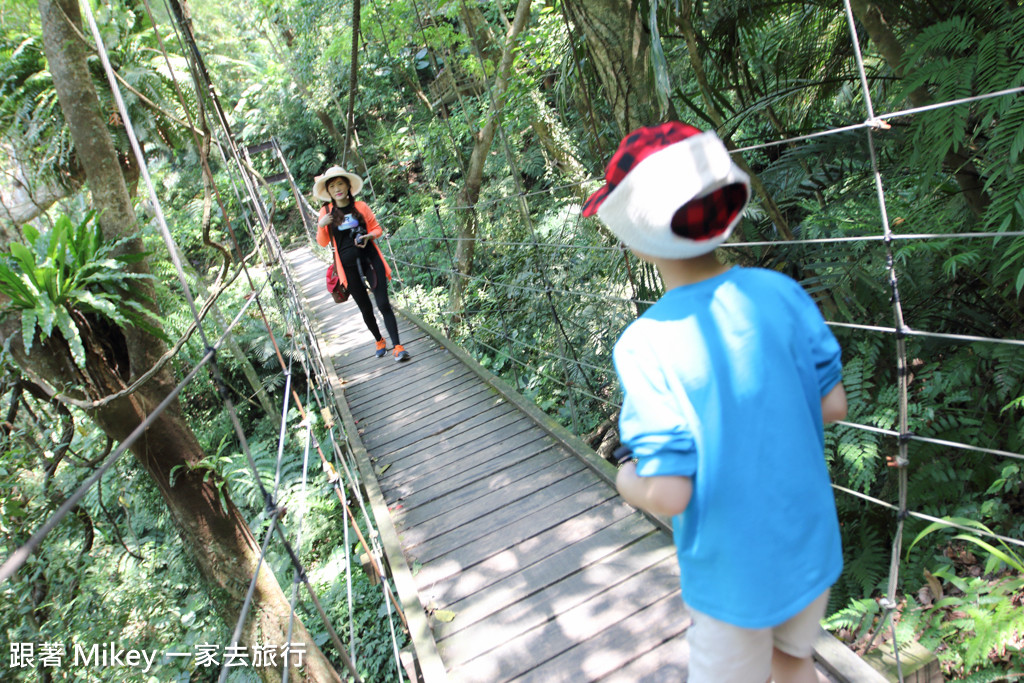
point(671, 191)
point(355, 183)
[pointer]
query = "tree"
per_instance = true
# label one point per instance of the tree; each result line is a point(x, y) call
point(482, 140)
point(619, 48)
point(211, 527)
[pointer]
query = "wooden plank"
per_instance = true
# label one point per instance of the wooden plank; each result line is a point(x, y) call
point(411, 406)
point(431, 479)
point(447, 580)
point(497, 540)
point(343, 323)
point(453, 445)
point(375, 376)
point(359, 395)
point(361, 355)
point(502, 471)
point(369, 376)
point(601, 653)
point(558, 583)
point(468, 416)
point(423, 465)
point(354, 343)
point(451, 533)
point(449, 446)
point(503, 638)
point(409, 395)
point(381, 403)
point(427, 409)
point(666, 662)
point(464, 505)
point(841, 663)
point(580, 644)
point(357, 353)
point(601, 467)
point(262, 147)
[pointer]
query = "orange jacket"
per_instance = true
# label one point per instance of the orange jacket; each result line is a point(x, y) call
point(323, 238)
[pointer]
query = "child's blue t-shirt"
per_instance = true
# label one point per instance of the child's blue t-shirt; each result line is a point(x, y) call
point(723, 381)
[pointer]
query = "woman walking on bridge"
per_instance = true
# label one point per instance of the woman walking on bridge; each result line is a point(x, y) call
point(349, 226)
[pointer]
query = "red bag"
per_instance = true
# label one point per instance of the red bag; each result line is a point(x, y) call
point(335, 287)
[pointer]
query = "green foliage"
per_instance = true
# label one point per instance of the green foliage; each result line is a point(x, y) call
point(975, 630)
point(114, 570)
point(964, 55)
point(31, 120)
point(60, 276)
point(368, 618)
point(997, 556)
point(859, 617)
point(32, 123)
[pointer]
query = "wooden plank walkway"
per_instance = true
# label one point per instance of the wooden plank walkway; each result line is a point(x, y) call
point(501, 519)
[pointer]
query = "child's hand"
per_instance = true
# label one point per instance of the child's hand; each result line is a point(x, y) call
point(325, 220)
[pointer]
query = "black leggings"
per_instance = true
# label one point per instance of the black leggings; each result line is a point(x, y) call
point(373, 267)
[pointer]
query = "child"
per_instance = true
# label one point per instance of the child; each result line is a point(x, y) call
point(727, 382)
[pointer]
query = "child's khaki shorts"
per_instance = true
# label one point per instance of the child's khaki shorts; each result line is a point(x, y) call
point(723, 653)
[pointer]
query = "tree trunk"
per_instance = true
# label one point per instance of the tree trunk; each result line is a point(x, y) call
point(556, 142)
point(467, 224)
point(216, 535)
point(620, 49)
point(958, 160)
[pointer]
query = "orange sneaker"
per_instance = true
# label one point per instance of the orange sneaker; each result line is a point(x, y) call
point(400, 353)
point(382, 347)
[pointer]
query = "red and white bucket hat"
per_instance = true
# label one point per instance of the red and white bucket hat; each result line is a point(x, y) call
point(671, 191)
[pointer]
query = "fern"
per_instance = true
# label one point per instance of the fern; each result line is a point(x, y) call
point(869, 566)
point(68, 272)
point(859, 617)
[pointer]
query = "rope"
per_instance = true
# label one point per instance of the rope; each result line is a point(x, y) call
point(539, 350)
point(304, 503)
point(904, 237)
point(284, 419)
point(902, 459)
point(889, 330)
point(930, 518)
point(878, 122)
point(554, 379)
point(274, 512)
point(244, 612)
